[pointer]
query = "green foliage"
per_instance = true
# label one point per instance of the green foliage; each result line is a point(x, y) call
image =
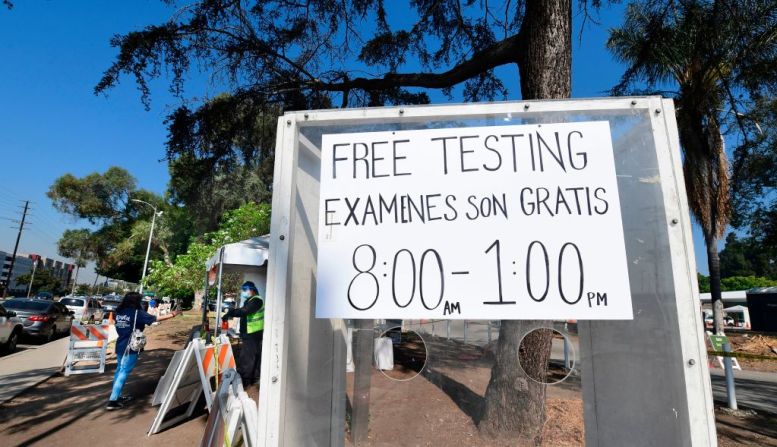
point(78, 245)
point(221, 156)
point(95, 197)
point(745, 283)
point(44, 281)
point(704, 283)
point(118, 243)
point(747, 256)
point(735, 283)
point(187, 273)
point(755, 175)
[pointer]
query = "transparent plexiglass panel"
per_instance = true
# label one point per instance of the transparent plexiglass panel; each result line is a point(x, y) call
point(426, 381)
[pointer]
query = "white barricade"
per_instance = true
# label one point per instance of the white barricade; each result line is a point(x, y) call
point(233, 419)
point(187, 376)
point(349, 365)
point(384, 354)
point(87, 349)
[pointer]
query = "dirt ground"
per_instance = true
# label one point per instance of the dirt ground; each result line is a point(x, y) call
point(758, 344)
point(66, 411)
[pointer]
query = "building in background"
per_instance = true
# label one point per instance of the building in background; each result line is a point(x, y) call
point(24, 265)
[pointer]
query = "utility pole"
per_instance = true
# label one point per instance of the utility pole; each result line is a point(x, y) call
point(16, 248)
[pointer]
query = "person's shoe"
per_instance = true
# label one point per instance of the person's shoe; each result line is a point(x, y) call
point(125, 399)
point(114, 405)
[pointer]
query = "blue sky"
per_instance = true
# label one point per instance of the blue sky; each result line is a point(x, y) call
point(53, 54)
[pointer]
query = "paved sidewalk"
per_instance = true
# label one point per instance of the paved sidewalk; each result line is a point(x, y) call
point(25, 369)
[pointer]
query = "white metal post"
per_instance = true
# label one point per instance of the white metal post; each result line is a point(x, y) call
point(217, 326)
point(34, 267)
point(148, 251)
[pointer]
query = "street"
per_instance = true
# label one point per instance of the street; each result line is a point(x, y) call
point(754, 390)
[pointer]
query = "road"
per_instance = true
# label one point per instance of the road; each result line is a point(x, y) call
point(754, 390)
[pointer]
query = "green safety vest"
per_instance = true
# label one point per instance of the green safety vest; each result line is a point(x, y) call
point(255, 321)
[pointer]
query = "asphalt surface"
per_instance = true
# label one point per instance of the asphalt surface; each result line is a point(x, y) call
point(754, 390)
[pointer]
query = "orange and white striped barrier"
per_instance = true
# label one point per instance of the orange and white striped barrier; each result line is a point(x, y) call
point(216, 359)
point(87, 349)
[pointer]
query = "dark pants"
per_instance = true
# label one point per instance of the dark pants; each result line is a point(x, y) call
point(249, 363)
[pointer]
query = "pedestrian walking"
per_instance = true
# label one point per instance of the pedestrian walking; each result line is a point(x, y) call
point(251, 315)
point(131, 320)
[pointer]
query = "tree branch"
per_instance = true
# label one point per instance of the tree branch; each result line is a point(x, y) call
point(501, 53)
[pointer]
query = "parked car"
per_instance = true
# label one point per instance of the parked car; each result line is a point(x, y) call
point(44, 296)
point(40, 318)
point(85, 309)
point(10, 330)
point(110, 303)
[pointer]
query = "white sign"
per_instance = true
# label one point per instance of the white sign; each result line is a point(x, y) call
point(508, 222)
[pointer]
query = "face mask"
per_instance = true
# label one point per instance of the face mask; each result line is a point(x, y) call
point(245, 294)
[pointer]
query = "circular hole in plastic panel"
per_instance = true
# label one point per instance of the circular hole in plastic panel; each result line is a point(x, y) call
point(400, 355)
point(546, 356)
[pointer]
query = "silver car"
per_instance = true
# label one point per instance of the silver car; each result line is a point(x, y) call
point(10, 330)
point(45, 320)
point(85, 309)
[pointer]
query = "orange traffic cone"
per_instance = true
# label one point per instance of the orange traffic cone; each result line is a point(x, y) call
point(110, 318)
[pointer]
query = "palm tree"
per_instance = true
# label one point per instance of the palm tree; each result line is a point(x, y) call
point(714, 56)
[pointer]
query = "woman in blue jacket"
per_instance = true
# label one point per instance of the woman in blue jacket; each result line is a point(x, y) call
point(129, 316)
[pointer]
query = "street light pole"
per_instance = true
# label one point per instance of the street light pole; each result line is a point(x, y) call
point(150, 238)
point(34, 267)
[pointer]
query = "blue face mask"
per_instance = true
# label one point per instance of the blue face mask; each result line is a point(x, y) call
point(245, 294)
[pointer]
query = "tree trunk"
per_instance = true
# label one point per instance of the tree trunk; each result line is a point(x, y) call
point(713, 262)
point(545, 59)
point(514, 404)
point(75, 280)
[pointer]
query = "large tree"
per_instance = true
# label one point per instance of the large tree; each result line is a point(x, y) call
point(220, 156)
point(746, 256)
point(43, 281)
point(755, 184)
point(120, 230)
point(280, 55)
point(717, 59)
point(78, 245)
